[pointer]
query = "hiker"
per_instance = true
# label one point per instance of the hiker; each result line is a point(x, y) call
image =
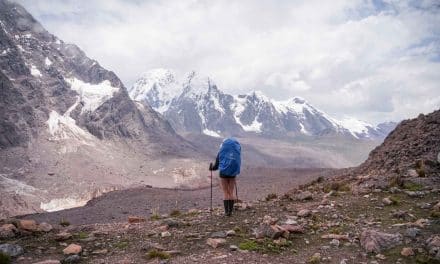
point(228, 161)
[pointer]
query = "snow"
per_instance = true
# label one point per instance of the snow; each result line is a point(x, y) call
point(158, 85)
point(47, 61)
point(35, 71)
point(211, 133)
point(254, 127)
point(355, 126)
point(62, 204)
point(92, 95)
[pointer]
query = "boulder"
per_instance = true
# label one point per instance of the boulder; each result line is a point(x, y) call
point(72, 249)
point(7, 231)
point(11, 250)
point(375, 241)
point(28, 225)
point(45, 227)
point(303, 196)
point(407, 251)
point(433, 246)
point(216, 242)
point(304, 213)
point(270, 231)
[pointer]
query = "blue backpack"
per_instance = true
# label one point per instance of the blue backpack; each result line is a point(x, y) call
point(230, 157)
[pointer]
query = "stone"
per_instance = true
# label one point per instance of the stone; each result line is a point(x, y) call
point(171, 223)
point(49, 261)
point(63, 236)
point(11, 250)
point(72, 249)
point(433, 246)
point(412, 232)
point(343, 261)
point(316, 258)
point(295, 229)
point(304, 196)
point(233, 248)
point(387, 201)
point(375, 242)
point(165, 234)
point(219, 234)
point(334, 243)
point(136, 219)
point(45, 227)
point(436, 207)
point(380, 256)
point(7, 231)
point(28, 225)
point(268, 220)
point(407, 251)
point(100, 252)
point(216, 242)
point(230, 233)
point(304, 213)
point(413, 173)
point(71, 259)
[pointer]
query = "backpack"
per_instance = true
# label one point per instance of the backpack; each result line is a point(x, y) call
point(230, 157)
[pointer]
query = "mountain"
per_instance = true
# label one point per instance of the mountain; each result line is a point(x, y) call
point(69, 126)
point(197, 105)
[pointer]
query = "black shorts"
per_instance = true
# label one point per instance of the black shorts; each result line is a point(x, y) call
point(227, 176)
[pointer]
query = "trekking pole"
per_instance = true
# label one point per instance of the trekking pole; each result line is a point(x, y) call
point(211, 187)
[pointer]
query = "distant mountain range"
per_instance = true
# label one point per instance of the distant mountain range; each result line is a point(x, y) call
point(197, 105)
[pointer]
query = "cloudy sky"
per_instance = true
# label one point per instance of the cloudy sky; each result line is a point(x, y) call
point(374, 60)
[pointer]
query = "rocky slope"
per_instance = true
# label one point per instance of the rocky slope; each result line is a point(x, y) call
point(197, 105)
point(65, 120)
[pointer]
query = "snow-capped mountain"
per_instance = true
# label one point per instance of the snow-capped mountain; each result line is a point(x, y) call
point(197, 105)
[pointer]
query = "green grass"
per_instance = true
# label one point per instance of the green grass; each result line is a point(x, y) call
point(4, 259)
point(266, 246)
point(250, 245)
point(155, 217)
point(122, 245)
point(82, 235)
point(411, 186)
point(338, 186)
point(152, 254)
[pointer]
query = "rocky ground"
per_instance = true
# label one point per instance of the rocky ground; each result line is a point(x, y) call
point(325, 221)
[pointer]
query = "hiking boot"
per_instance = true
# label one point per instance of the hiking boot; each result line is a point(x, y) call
point(226, 204)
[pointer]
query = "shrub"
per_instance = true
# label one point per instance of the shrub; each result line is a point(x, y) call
point(64, 222)
point(249, 245)
point(175, 213)
point(420, 168)
point(157, 254)
point(395, 200)
point(4, 258)
point(411, 186)
point(271, 196)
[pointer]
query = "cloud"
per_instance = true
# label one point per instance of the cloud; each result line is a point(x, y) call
point(375, 60)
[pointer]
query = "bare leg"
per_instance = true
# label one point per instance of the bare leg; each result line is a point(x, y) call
point(231, 189)
point(225, 185)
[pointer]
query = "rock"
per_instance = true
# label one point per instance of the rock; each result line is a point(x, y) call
point(171, 223)
point(400, 214)
point(63, 236)
point(412, 232)
point(28, 225)
point(375, 241)
point(436, 207)
point(233, 248)
point(268, 220)
point(219, 234)
point(7, 231)
point(304, 213)
point(303, 196)
point(407, 251)
point(165, 234)
point(344, 261)
point(380, 256)
point(230, 233)
point(71, 259)
point(295, 229)
point(415, 194)
point(136, 219)
point(72, 249)
point(216, 242)
point(45, 227)
point(334, 243)
point(11, 250)
point(433, 246)
point(325, 201)
point(413, 173)
point(49, 261)
point(100, 252)
point(387, 201)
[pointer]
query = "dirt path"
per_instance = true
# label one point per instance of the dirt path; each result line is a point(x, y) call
point(116, 206)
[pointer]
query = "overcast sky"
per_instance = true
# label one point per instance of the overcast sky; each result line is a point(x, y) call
point(374, 60)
